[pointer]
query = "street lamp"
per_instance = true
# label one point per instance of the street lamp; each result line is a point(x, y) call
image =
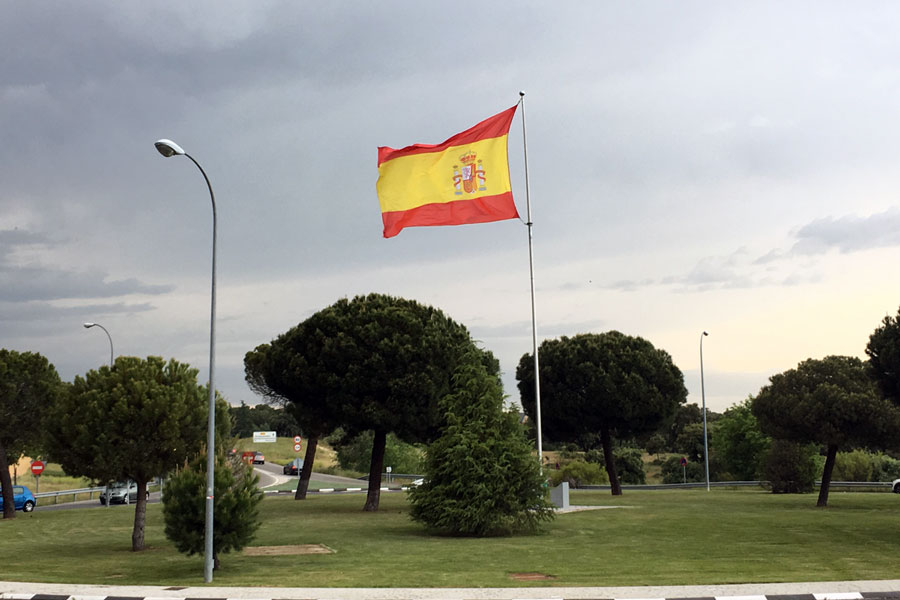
point(89, 325)
point(169, 148)
point(703, 395)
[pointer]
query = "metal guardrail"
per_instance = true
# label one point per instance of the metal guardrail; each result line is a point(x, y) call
point(726, 484)
point(74, 493)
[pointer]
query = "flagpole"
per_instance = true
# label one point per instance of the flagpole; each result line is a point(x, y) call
point(534, 337)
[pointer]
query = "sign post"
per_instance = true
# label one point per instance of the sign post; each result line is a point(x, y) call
point(684, 469)
point(37, 467)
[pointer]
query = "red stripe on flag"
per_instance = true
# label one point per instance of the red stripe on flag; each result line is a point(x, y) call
point(461, 212)
point(492, 127)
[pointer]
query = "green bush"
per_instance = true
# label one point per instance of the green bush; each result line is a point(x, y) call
point(885, 468)
point(235, 510)
point(791, 468)
point(673, 472)
point(579, 473)
point(853, 466)
point(481, 478)
point(355, 453)
point(629, 463)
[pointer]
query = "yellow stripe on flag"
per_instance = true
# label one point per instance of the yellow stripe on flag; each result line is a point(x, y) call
point(464, 172)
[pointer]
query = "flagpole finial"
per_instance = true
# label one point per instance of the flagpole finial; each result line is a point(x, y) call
point(521, 94)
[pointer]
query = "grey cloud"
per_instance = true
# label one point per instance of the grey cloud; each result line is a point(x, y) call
point(845, 234)
point(849, 233)
point(24, 284)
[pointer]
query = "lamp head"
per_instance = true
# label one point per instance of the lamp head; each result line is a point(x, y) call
point(89, 325)
point(168, 148)
point(704, 333)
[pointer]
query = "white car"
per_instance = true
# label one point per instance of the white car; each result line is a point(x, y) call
point(895, 487)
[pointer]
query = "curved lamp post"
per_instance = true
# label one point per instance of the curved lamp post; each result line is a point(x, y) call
point(703, 395)
point(169, 148)
point(89, 325)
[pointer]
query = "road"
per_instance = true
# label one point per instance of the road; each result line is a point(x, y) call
point(270, 474)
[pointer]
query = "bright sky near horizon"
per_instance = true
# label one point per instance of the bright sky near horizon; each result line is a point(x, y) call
point(728, 167)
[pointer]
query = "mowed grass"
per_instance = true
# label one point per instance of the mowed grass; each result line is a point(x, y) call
point(657, 538)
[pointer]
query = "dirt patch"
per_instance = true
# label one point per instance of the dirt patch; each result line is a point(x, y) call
point(531, 576)
point(287, 550)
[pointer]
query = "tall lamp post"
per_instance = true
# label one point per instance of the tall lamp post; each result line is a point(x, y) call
point(89, 325)
point(703, 396)
point(169, 148)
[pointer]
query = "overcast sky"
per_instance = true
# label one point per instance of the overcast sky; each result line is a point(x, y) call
point(729, 167)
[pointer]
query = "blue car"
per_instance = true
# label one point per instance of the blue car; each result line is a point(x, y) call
point(22, 498)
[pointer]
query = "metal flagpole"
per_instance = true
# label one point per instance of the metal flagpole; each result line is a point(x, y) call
point(534, 338)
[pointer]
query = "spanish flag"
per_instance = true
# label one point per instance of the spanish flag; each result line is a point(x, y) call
point(462, 180)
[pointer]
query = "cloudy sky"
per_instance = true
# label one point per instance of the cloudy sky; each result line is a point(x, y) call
point(729, 167)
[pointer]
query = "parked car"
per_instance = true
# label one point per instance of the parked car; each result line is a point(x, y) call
point(294, 467)
point(121, 492)
point(23, 499)
point(896, 486)
point(259, 458)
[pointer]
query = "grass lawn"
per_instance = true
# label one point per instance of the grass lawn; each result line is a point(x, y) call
point(662, 538)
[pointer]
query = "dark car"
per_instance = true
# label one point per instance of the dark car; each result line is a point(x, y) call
point(294, 467)
point(23, 499)
point(259, 458)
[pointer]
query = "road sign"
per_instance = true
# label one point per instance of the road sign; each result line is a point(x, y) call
point(264, 437)
point(296, 447)
point(297, 439)
point(37, 467)
point(683, 461)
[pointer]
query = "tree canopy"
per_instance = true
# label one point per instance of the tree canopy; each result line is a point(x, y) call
point(375, 362)
point(613, 383)
point(883, 351)
point(290, 372)
point(831, 401)
point(139, 420)
point(29, 385)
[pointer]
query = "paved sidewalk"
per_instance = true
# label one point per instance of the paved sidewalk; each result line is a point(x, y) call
point(832, 590)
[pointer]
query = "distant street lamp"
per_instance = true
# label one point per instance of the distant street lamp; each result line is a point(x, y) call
point(169, 148)
point(703, 396)
point(89, 325)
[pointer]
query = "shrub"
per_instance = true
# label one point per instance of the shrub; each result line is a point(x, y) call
point(853, 466)
point(791, 468)
point(673, 472)
point(235, 510)
point(480, 475)
point(579, 473)
point(885, 468)
point(629, 463)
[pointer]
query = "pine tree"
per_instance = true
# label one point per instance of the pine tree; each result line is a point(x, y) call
point(235, 509)
point(481, 477)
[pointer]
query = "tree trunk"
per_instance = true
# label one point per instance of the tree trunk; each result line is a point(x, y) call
point(309, 458)
point(826, 475)
point(9, 509)
point(140, 517)
point(375, 468)
point(606, 442)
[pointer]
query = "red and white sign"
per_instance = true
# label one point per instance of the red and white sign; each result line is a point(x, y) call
point(297, 439)
point(37, 467)
point(296, 447)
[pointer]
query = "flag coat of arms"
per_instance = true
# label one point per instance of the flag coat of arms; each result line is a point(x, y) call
point(462, 180)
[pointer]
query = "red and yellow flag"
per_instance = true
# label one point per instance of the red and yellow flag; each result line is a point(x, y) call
point(462, 180)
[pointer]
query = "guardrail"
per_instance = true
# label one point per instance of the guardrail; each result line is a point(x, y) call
point(725, 484)
point(74, 493)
